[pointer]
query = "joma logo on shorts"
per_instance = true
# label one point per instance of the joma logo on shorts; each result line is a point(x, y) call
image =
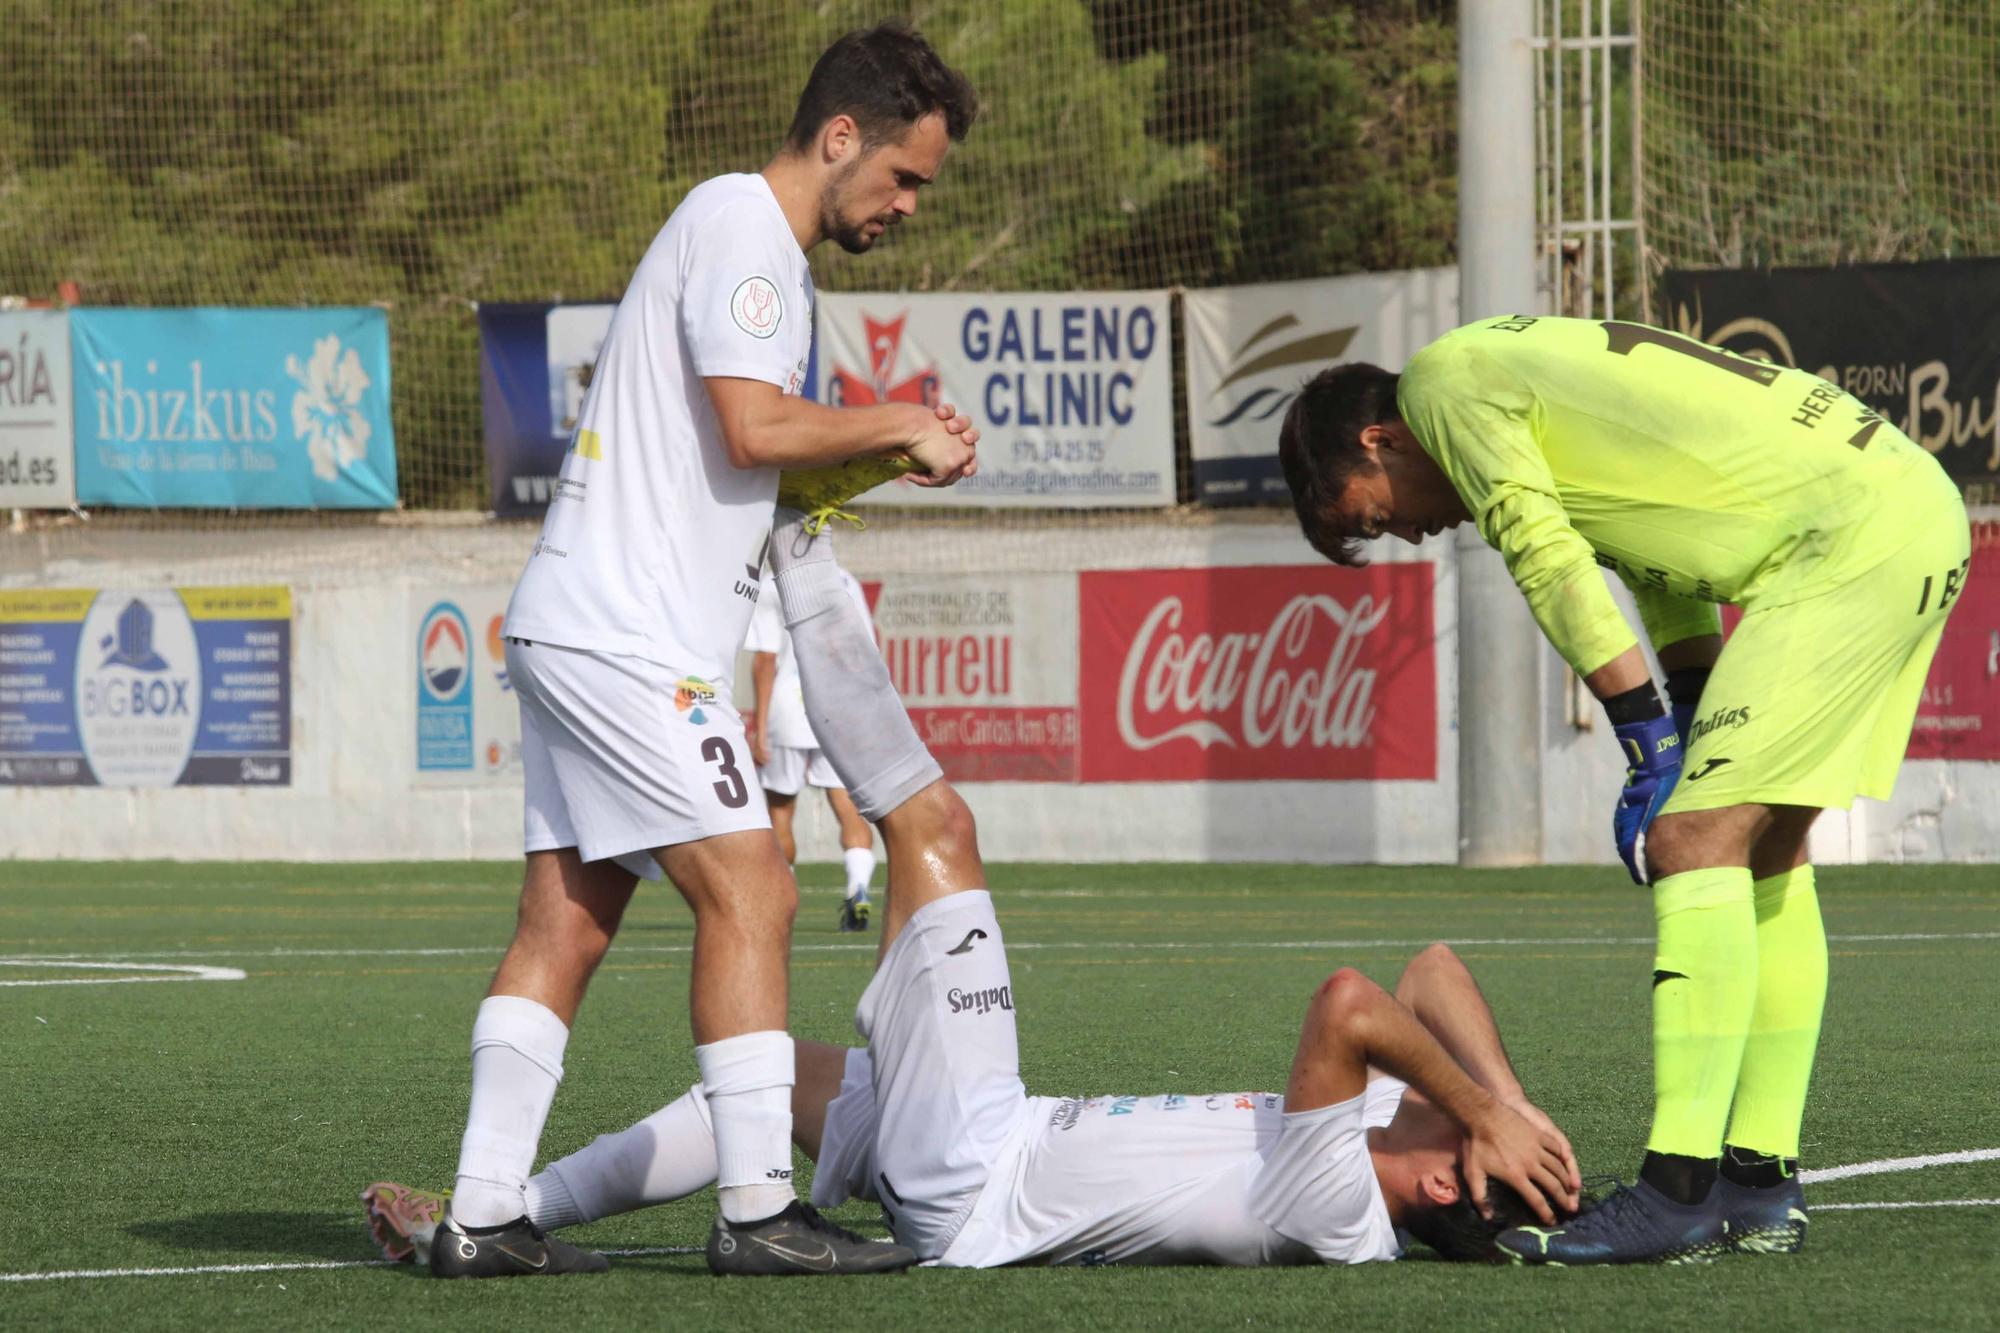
point(1722, 719)
point(980, 1001)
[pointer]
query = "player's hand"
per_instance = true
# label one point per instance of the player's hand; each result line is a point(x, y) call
point(1653, 765)
point(760, 745)
point(944, 444)
point(1537, 1117)
point(1504, 1146)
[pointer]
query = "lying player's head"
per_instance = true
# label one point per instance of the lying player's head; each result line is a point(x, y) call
point(877, 116)
point(1457, 1230)
point(1355, 470)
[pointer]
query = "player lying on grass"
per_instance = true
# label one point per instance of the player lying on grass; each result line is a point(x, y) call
point(1700, 477)
point(931, 1120)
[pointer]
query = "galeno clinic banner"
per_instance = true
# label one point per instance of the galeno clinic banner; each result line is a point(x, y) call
point(1072, 392)
point(1250, 348)
point(233, 409)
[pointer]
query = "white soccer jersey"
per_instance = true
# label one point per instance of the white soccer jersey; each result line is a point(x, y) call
point(1226, 1178)
point(787, 727)
point(653, 542)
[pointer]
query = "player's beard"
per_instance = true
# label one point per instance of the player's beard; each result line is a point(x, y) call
point(851, 236)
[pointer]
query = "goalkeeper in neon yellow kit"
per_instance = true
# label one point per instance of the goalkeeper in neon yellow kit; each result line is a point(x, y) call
point(1698, 477)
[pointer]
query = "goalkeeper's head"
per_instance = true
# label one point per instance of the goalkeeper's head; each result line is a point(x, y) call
point(1355, 470)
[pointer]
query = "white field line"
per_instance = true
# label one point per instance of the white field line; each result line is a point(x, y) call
point(1013, 946)
point(1889, 1164)
point(302, 1266)
point(162, 971)
point(1910, 1203)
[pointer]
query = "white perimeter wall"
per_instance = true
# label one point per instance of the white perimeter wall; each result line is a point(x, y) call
point(354, 794)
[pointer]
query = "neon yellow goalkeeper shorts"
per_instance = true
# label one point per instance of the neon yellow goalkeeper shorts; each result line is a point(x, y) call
point(1812, 702)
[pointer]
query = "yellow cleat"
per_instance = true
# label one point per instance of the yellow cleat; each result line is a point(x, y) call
point(403, 1219)
point(819, 492)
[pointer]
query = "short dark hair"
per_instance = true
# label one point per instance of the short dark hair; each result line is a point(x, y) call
point(887, 78)
point(1457, 1230)
point(1319, 447)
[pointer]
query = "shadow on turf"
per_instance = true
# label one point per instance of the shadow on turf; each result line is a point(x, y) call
point(306, 1235)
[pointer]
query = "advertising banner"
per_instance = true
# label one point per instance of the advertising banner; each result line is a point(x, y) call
point(1072, 392)
point(37, 432)
point(535, 364)
point(468, 725)
point(1250, 348)
point(233, 409)
point(155, 688)
point(1919, 343)
point(1234, 674)
point(986, 665)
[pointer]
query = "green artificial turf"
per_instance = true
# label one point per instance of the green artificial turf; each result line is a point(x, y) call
point(234, 1122)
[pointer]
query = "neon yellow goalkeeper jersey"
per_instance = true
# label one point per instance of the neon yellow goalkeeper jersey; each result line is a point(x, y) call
point(1699, 476)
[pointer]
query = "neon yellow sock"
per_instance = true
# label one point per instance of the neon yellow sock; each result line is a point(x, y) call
point(1784, 1027)
point(1704, 989)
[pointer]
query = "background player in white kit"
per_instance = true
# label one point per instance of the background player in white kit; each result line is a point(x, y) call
point(622, 635)
point(932, 1121)
point(788, 755)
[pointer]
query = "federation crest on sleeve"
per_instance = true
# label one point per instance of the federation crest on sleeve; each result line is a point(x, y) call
point(756, 307)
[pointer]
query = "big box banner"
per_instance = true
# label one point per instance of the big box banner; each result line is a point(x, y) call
point(37, 433)
point(1072, 392)
point(233, 409)
point(1250, 348)
point(1919, 343)
point(157, 687)
point(1261, 672)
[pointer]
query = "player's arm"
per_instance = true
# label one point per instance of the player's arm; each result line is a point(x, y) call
point(1438, 988)
point(1352, 1023)
point(763, 675)
point(763, 426)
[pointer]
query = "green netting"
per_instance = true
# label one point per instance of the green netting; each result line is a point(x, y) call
point(427, 156)
point(1799, 132)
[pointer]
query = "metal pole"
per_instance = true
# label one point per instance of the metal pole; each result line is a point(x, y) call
point(1500, 650)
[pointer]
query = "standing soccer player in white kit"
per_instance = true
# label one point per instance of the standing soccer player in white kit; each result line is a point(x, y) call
point(621, 637)
point(789, 757)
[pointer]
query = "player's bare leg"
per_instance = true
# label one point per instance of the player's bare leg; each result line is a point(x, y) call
point(569, 912)
point(783, 807)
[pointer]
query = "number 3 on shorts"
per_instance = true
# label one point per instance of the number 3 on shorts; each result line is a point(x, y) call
point(731, 791)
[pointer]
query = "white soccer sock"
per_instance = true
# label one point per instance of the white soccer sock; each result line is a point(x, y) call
point(860, 869)
point(850, 703)
point(517, 1053)
point(668, 1155)
point(748, 1080)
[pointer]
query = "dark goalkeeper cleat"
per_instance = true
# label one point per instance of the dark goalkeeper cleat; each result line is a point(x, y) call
point(798, 1240)
point(1770, 1220)
point(853, 914)
point(1635, 1225)
point(519, 1249)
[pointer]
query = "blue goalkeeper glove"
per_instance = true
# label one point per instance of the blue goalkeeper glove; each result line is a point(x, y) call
point(1653, 757)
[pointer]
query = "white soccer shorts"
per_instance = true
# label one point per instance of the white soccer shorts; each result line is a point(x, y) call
point(791, 769)
point(621, 755)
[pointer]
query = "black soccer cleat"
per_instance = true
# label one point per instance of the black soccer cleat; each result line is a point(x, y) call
point(519, 1249)
point(1636, 1224)
point(796, 1241)
point(854, 914)
point(1766, 1220)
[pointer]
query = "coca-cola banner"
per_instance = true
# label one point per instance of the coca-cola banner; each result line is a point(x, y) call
point(1230, 674)
point(986, 664)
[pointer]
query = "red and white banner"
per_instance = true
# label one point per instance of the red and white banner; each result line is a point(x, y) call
point(1959, 717)
point(1231, 674)
point(986, 664)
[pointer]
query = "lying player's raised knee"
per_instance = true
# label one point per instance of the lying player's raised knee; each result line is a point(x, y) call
point(1343, 996)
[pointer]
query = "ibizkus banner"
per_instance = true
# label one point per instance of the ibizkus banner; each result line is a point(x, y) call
point(1250, 348)
point(233, 409)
